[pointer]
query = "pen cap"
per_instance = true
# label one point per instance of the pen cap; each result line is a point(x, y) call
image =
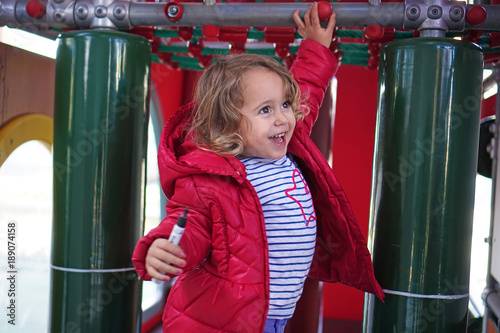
point(182, 220)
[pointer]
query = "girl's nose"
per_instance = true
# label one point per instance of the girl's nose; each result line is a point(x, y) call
point(280, 118)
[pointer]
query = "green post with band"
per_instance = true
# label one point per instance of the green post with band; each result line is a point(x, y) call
point(100, 135)
point(423, 185)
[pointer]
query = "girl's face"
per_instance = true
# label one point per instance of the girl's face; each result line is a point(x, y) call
point(268, 121)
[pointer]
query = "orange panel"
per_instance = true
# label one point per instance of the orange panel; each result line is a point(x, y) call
point(492, 328)
point(27, 83)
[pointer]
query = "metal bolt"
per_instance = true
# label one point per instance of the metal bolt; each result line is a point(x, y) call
point(435, 12)
point(101, 11)
point(82, 11)
point(120, 12)
point(59, 16)
point(456, 13)
point(173, 10)
point(413, 12)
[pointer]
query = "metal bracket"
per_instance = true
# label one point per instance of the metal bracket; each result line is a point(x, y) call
point(433, 18)
point(88, 14)
point(60, 13)
point(7, 12)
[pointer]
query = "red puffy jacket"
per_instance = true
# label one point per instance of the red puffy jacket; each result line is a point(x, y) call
point(225, 287)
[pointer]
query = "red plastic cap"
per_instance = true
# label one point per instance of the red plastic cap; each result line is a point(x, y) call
point(324, 10)
point(185, 33)
point(35, 9)
point(373, 32)
point(195, 49)
point(494, 39)
point(476, 15)
point(173, 10)
point(282, 50)
point(210, 31)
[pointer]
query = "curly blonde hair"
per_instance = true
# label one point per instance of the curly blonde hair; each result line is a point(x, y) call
point(219, 98)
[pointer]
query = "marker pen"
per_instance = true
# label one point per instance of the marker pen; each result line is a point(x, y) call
point(176, 234)
point(178, 230)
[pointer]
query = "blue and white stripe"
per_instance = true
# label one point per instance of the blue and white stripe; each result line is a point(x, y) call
point(290, 226)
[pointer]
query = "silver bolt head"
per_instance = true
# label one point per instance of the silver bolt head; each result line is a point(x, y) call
point(456, 13)
point(59, 16)
point(119, 12)
point(173, 10)
point(82, 11)
point(101, 11)
point(413, 12)
point(435, 12)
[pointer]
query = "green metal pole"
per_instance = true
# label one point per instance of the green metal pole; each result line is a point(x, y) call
point(100, 136)
point(423, 185)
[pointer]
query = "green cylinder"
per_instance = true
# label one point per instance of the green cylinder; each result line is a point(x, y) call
point(100, 135)
point(423, 185)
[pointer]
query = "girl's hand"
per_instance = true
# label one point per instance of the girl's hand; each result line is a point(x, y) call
point(311, 29)
point(164, 258)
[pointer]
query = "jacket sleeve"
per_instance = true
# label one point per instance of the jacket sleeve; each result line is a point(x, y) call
point(313, 70)
point(196, 239)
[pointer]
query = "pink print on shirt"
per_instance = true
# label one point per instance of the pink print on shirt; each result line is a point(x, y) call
point(295, 172)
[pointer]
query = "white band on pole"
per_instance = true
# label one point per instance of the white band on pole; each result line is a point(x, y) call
point(80, 270)
point(402, 293)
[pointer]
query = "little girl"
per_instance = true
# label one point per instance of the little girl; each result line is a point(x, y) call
point(265, 209)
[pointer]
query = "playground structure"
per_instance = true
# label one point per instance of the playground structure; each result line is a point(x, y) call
point(101, 111)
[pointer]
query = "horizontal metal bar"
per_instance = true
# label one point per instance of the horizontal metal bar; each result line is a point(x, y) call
point(349, 15)
point(265, 14)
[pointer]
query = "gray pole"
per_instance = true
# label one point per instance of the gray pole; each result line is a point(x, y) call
point(412, 15)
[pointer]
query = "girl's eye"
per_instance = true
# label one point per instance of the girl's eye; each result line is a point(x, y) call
point(286, 105)
point(265, 110)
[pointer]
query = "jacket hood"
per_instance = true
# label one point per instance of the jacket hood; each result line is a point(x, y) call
point(180, 157)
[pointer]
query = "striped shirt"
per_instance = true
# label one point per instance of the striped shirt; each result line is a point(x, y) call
point(290, 227)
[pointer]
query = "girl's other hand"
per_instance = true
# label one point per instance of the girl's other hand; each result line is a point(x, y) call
point(311, 28)
point(164, 258)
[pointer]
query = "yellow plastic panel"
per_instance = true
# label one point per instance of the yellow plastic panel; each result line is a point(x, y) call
point(23, 129)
